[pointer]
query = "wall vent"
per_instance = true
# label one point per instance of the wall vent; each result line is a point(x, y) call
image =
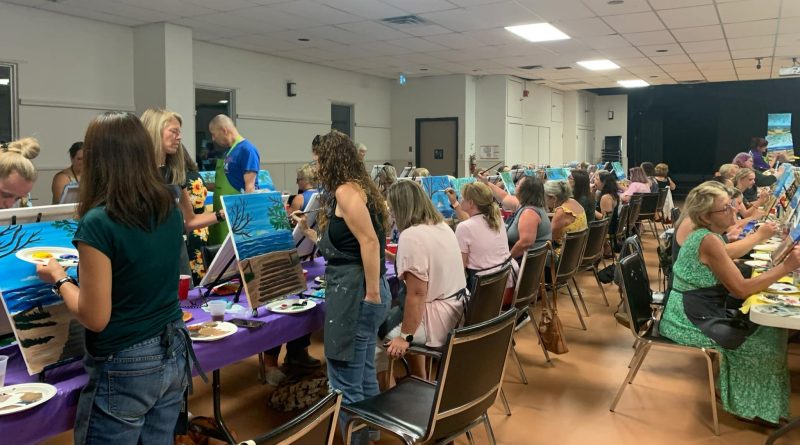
point(405, 20)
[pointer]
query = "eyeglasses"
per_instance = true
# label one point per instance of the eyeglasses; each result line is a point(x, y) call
point(730, 206)
point(175, 132)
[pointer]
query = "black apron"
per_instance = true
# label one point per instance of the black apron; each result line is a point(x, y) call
point(717, 315)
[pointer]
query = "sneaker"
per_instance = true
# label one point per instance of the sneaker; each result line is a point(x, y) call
point(302, 360)
point(274, 376)
point(522, 321)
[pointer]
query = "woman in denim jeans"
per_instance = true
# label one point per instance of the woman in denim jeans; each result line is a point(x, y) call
point(352, 238)
point(129, 238)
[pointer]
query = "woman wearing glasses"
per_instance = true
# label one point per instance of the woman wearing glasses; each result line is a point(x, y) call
point(753, 377)
point(306, 180)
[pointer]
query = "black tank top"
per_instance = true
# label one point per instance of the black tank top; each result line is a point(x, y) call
point(343, 239)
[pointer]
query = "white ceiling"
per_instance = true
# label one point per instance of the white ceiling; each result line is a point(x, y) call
point(706, 40)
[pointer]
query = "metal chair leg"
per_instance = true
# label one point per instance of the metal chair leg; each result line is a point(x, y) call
point(538, 334)
point(580, 296)
point(599, 284)
point(519, 364)
point(489, 431)
point(575, 303)
point(505, 402)
point(625, 383)
point(636, 352)
point(712, 388)
point(638, 364)
point(470, 438)
point(262, 369)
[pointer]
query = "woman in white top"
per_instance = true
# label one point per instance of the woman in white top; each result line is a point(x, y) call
point(427, 257)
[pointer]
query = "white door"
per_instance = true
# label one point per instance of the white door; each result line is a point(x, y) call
point(530, 145)
point(544, 146)
point(580, 146)
point(513, 144)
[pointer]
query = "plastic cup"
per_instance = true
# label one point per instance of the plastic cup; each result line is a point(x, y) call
point(392, 248)
point(217, 309)
point(506, 213)
point(3, 364)
point(305, 274)
point(184, 282)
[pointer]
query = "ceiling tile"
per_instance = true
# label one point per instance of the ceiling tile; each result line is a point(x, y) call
point(686, 75)
point(455, 40)
point(790, 9)
point(264, 15)
point(750, 29)
point(678, 67)
point(92, 15)
point(790, 51)
point(636, 61)
point(227, 5)
point(335, 34)
point(788, 40)
point(481, 17)
point(672, 4)
point(558, 9)
point(699, 33)
point(626, 52)
point(178, 8)
point(369, 9)
point(678, 58)
point(649, 38)
point(77, 7)
point(384, 48)
point(715, 65)
point(497, 36)
point(751, 53)
point(233, 24)
point(711, 57)
point(421, 6)
point(749, 10)
point(604, 42)
point(689, 17)
point(706, 46)
point(417, 44)
point(653, 50)
point(751, 42)
point(316, 12)
point(645, 21)
point(374, 30)
point(585, 27)
point(601, 7)
point(423, 30)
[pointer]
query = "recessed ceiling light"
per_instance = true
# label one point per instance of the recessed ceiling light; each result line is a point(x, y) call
point(223, 101)
point(304, 39)
point(633, 83)
point(653, 77)
point(423, 69)
point(598, 65)
point(661, 50)
point(5, 81)
point(538, 32)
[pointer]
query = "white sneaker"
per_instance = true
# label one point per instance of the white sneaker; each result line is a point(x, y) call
point(522, 321)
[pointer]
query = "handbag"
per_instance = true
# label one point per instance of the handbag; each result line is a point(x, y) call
point(550, 328)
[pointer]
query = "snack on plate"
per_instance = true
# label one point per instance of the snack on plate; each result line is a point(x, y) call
point(226, 288)
point(211, 332)
point(30, 397)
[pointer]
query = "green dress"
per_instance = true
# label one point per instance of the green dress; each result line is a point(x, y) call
point(753, 378)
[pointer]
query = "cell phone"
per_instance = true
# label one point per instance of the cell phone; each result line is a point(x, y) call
point(249, 324)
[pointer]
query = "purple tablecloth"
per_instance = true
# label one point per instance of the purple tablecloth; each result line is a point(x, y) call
point(58, 414)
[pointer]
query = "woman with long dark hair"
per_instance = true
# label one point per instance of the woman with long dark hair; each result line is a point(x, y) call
point(352, 238)
point(581, 192)
point(129, 239)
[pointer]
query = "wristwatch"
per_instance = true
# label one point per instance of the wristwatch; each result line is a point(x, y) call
point(59, 283)
point(455, 205)
point(407, 337)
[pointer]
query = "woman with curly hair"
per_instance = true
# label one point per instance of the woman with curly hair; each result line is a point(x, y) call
point(352, 238)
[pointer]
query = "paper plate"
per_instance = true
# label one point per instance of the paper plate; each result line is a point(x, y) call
point(756, 263)
point(226, 328)
point(766, 247)
point(41, 255)
point(291, 305)
point(760, 256)
point(783, 288)
point(13, 398)
point(785, 300)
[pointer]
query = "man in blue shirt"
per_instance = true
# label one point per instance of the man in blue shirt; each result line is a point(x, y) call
point(242, 160)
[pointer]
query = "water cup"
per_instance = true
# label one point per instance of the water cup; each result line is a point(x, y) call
point(184, 282)
point(392, 248)
point(305, 274)
point(217, 309)
point(506, 213)
point(3, 364)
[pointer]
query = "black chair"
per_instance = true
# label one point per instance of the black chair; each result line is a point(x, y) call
point(315, 426)
point(594, 253)
point(572, 247)
point(468, 381)
point(635, 204)
point(644, 326)
point(622, 227)
point(530, 282)
point(649, 210)
point(662, 199)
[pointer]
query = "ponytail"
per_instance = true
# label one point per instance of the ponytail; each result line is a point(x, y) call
point(481, 195)
point(16, 157)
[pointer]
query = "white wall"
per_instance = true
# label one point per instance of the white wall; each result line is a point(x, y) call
point(490, 116)
point(616, 127)
point(282, 127)
point(69, 70)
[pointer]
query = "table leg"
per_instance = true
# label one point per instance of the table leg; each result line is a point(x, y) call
point(794, 423)
point(217, 410)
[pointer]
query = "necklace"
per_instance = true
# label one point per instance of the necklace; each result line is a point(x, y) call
point(72, 169)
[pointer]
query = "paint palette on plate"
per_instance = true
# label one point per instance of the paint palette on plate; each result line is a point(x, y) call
point(785, 300)
point(783, 288)
point(291, 305)
point(42, 255)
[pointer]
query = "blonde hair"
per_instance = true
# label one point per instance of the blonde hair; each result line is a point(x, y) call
point(411, 205)
point(701, 200)
point(421, 172)
point(725, 170)
point(741, 174)
point(155, 120)
point(16, 157)
point(662, 169)
point(481, 195)
point(558, 189)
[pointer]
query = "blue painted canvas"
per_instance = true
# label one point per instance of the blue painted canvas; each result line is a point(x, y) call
point(785, 180)
point(556, 174)
point(458, 183)
point(619, 170)
point(265, 250)
point(265, 181)
point(779, 132)
point(508, 182)
point(435, 187)
point(209, 176)
point(46, 331)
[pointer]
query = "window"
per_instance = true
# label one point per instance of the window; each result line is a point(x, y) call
point(342, 118)
point(8, 102)
point(209, 102)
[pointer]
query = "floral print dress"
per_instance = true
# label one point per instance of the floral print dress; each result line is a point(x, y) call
point(198, 238)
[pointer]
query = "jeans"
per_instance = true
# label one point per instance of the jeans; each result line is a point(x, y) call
point(134, 396)
point(356, 378)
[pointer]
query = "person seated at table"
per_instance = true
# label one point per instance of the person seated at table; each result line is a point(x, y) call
point(482, 236)
point(745, 160)
point(662, 177)
point(387, 176)
point(753, 377)
point(639, 184)
point(68, 176)
point(421, 172)
point(581, 192)
point(17, 172)
point(568, 214)
point(428, 253)
point(758, 152)
point(726, 173)
point(650, 171)
point(744, 181)
point(306, 187)
point(608, 191)
point(138, 352)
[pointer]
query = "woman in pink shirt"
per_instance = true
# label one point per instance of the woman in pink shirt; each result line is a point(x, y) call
point(639, 184)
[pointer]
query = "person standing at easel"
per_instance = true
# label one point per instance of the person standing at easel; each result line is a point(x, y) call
point(236, 173)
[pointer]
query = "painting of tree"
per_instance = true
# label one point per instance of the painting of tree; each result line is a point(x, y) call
point(14, 238)
point(69, 226)
point(240, 219)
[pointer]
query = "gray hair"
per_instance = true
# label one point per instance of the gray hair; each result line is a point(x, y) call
point(361, 147)
point(558, 189)
point(221, 121)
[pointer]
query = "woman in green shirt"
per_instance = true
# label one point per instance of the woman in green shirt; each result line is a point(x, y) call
point(129, 239)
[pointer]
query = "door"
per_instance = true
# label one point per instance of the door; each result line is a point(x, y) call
point(208, 103)
point(513, 144)
point(437, 145)
point(544, 146)
point(557, 107)
point(530, 145)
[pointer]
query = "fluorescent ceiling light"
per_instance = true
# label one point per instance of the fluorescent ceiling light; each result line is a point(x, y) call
point(598, 65)
point(538, 32)
point(634, 83)
point(223, 101)
point(4, 81)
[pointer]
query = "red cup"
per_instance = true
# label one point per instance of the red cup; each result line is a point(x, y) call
point(506, 213)
point(184, 281)
point(392, 248)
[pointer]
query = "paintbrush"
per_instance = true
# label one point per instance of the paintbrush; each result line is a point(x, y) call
point(495, 165)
